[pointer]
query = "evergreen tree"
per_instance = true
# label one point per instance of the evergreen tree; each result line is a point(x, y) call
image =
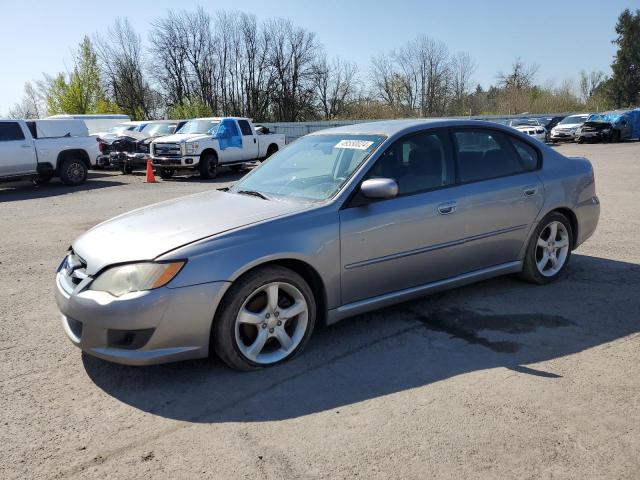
point(625, 82)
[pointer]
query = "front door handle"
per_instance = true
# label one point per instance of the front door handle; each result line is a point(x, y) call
point(254, 140)
point(447, 208)
point(530, 190)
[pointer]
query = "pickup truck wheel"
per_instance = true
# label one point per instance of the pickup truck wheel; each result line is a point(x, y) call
point(208, 166)
point(42, 179)
point(166, 173)
point(270, 151)
point(73, 171)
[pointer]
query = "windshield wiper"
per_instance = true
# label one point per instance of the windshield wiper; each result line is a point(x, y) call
point(254, 193)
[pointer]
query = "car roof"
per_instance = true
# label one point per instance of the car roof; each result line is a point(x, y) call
point(396, 127)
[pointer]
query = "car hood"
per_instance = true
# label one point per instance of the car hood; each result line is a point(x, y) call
point(567, 126)
point(149, 232)
point(184, 137)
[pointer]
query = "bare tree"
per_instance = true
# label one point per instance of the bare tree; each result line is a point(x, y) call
point(33, 103)
point(293, 54)
point(589, 82)
point(335, 86)
point(462, 69)
point(386, 82)
point(120, 54)
point(520, 77)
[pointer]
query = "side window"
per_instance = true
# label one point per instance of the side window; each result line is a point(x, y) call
point(484, 154)
point(418, 163)
point(10, 131)
point(245, 127)
point(528, 155)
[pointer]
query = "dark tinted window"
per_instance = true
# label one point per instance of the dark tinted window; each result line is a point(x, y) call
point(484, 154)
point(528, 155)
point(10, 131)
point(418, 163)
point(245, 127)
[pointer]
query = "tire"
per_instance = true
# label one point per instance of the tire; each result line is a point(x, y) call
point(73, 171)
point(42, 179)
point(233, 340)
point(208, 166)
point(616, 136)
point(166, 173)
point(127, 169)
point(270, 151)
point(559, 248)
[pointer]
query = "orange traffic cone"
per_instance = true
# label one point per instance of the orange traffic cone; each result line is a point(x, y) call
point(150, 177)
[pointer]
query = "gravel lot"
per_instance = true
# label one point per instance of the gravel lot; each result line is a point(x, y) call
point(501, 379)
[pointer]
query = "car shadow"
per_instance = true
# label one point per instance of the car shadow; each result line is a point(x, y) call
point(502, 322)
point(26, 190)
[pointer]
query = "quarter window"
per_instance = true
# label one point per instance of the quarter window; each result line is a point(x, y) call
point(10, 131)
point(485, 154)
point(528, 155)
point(245, 128)
point(417, 163)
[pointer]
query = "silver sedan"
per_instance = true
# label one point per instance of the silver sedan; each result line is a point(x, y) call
point(340, 222)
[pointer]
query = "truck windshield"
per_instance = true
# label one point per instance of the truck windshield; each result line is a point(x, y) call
point(200, 126)
point(312, 168)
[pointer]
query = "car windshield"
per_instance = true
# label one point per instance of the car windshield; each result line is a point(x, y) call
point(522, 122)
point(158, 129)
point(573, 119)
point(312, 168)
point(200, 126)
point(122, 127)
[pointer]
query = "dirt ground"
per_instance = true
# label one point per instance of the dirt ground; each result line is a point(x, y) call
point(500, 379)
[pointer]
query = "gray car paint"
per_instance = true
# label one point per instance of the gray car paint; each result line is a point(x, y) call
point(363, 257)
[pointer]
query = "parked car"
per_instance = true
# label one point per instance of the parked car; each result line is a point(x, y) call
point(106, 138)
point(566, 129)
point(130, 151)
point(42, 149)
point(203, 144)
point(549, 123)
point(606, 127)
point(340, 222)
point(529, 126)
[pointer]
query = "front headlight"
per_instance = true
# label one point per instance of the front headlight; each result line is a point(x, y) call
point(135, 277)
point(191, 148)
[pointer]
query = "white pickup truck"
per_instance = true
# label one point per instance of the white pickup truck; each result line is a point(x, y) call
point(42, 149)
point(203, 144)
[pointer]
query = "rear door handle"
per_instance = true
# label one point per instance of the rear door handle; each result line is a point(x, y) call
point(447, 208)
point(530, 190)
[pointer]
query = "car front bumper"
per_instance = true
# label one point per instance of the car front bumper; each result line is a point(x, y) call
point(134, 160)
point(140, 328)
point(563, 137)
point(190, 161)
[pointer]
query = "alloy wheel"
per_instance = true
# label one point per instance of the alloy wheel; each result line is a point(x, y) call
point(271, 323)
point(552, 248)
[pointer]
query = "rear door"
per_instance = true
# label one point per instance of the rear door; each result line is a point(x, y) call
point(17, 152)
point(249, 141)
point(500, 194)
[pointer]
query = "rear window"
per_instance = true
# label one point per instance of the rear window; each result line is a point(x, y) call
point(245, 127)
point(10, 131)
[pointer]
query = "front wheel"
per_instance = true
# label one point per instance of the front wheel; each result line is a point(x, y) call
point(549, 249)
point(208, 166)
point(127, 169)
point(166, 173)
point(266, 318)
point(73, 172)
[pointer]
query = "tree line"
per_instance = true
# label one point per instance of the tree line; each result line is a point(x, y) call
point(194, 63)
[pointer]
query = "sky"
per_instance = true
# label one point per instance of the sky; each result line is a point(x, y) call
point(561, 36)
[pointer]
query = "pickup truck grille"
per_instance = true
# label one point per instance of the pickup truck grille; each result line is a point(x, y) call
point(166, 150)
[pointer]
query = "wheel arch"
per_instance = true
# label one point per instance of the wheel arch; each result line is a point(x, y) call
point(302, 268)
point(73, 153)
point(210, 151)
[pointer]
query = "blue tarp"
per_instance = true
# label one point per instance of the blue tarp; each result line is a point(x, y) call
point(228, 134)
point(615, 117)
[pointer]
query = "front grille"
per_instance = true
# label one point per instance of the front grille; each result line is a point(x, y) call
point(167, 149)
point(74, 269)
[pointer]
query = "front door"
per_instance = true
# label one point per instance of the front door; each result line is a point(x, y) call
point(410, 240)
point(17, 154)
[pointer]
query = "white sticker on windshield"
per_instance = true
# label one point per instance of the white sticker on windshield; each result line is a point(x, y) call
point(354, 144)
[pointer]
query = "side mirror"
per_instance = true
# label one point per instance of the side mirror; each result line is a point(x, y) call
point(379, 188)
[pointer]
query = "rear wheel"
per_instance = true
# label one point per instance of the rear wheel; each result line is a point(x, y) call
point(208, 166)
point(270, 151)
point(266, 318)
point(549, 249)
point(73, 171)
